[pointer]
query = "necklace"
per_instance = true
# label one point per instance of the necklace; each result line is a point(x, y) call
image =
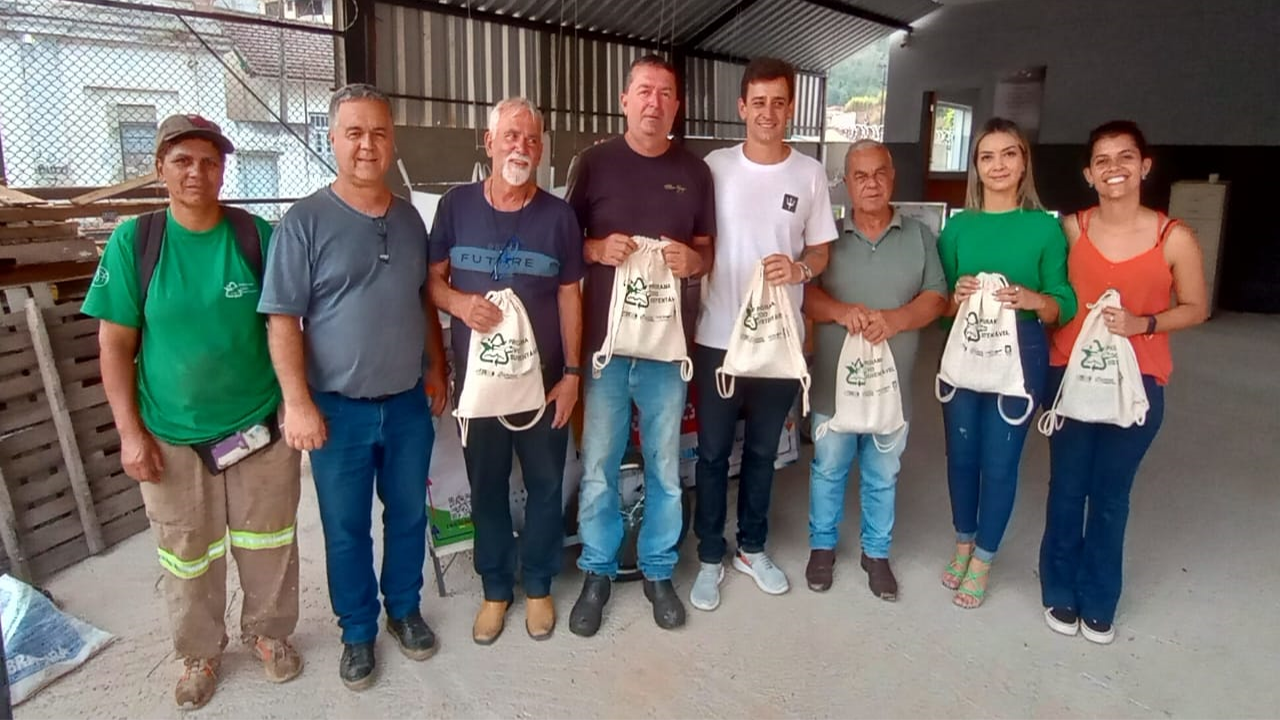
point(512, 245)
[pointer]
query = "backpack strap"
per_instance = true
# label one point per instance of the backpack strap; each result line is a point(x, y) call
point(147, 239)
point(245, 230)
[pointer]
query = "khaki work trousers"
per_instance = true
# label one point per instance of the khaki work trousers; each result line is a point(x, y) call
point(252, 506)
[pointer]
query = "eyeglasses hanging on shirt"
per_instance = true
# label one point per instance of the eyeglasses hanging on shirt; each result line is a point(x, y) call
point(381, 224)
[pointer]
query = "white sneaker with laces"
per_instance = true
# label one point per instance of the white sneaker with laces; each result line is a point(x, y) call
point(760, 567)
point(705, 594)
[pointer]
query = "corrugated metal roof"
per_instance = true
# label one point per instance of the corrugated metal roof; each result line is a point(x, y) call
point(807, 34)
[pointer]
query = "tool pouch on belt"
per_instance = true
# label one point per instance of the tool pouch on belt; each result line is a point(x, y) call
point(218, 455)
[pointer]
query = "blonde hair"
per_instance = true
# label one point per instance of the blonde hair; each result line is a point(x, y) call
point(1028, 199)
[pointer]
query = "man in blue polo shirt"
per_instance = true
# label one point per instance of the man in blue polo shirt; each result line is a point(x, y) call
point(506, 233)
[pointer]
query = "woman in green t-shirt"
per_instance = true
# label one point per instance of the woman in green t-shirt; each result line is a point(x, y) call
point(1005, 230)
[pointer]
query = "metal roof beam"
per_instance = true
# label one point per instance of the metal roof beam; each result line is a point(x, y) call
point(863, 14)
point(713, 27)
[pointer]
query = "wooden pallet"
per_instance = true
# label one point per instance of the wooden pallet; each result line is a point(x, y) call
point(63, 494)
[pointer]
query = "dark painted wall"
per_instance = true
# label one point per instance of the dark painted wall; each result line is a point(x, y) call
point(1250, 265)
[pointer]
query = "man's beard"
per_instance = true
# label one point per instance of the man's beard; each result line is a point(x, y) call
point(515, 175)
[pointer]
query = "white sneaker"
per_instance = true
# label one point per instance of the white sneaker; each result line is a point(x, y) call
point(705, 594)
point(768, 577)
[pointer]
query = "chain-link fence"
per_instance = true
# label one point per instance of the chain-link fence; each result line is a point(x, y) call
point(86, 83)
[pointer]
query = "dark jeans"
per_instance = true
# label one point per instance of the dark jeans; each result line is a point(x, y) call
point(983, 451)
point(1091, 464)
point(764, 404)
point(541, 451)
point(381, 446)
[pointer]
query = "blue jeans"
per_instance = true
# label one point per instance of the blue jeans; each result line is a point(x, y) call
point(833, 457)
point(763, 404)
point(1093, 464)
point(983, 451)
point(541, 450)
point(381, 445)
point(659, 395)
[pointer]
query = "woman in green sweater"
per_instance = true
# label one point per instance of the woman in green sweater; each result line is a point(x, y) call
point(1005, 230)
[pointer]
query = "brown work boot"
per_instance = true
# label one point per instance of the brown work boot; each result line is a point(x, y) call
point(880, 578)
point(539, 617)
point(280, 661)
point(490, 621)
point(198, 681)
point(818, 573)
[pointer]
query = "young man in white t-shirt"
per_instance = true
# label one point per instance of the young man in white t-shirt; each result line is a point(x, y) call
point(772, 204)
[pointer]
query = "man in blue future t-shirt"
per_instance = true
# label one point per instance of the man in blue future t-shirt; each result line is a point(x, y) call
point(506, 233)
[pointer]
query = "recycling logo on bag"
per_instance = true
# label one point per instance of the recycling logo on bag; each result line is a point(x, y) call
point(637, 293)
point(1097, 357)
point(857, 373)
point(495, 350)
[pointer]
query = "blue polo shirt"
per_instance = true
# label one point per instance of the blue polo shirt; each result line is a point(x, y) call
point(533, 251)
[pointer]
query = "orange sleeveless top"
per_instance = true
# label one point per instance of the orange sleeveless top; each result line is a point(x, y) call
point(1145, 283)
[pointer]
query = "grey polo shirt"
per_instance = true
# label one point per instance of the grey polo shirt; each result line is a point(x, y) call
point(881, 273)
point(356, 281)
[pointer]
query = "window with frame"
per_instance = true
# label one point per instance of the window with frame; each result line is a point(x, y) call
point(952, 130)
point(258, 175)
point(136, 128)
point(319, 123)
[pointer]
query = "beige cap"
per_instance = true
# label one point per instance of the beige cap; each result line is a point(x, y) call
point(177, 127)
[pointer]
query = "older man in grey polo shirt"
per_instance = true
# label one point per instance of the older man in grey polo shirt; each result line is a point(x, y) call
point(884, 281)
point(350, 262)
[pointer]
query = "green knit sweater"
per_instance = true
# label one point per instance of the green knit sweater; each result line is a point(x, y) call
point(1026, 246)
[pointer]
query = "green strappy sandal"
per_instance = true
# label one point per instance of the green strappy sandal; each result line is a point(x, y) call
point(958, 566)
point(978, 594)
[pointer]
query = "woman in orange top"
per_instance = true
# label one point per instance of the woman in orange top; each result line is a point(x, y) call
point(1145, 256)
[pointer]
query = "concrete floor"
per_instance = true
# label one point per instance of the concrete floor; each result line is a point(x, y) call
point(1198, 629)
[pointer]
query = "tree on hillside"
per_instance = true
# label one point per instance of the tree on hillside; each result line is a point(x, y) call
point(859, 76)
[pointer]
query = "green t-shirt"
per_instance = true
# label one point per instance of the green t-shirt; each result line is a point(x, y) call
point(203, 371)
point(1026, 246)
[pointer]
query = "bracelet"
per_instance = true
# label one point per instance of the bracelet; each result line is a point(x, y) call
point(573, 370)
point(1151, 325)
point(805, 271)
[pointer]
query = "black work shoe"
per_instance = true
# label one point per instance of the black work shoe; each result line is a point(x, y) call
point(880, 578)
point(416, 640)
point(584, 619)
point(356, 666)
point(668, 611)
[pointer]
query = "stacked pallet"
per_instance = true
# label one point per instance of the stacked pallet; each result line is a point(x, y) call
point(46, 240)
point(63, 494)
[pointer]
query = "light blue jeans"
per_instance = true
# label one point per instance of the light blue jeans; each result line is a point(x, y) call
point(833, 458)
point(659, 395)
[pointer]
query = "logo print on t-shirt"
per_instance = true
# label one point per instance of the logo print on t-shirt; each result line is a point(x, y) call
point(233, 289)
point(101, 277)
point(495, 350)
point(790, 202)
point(674, 187)
point(637, 294)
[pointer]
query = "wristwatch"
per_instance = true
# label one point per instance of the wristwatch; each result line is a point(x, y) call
point(806, 271)
point(1151, 325)
point(572, 370)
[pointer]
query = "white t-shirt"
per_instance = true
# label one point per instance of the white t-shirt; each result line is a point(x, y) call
point(760, 210)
